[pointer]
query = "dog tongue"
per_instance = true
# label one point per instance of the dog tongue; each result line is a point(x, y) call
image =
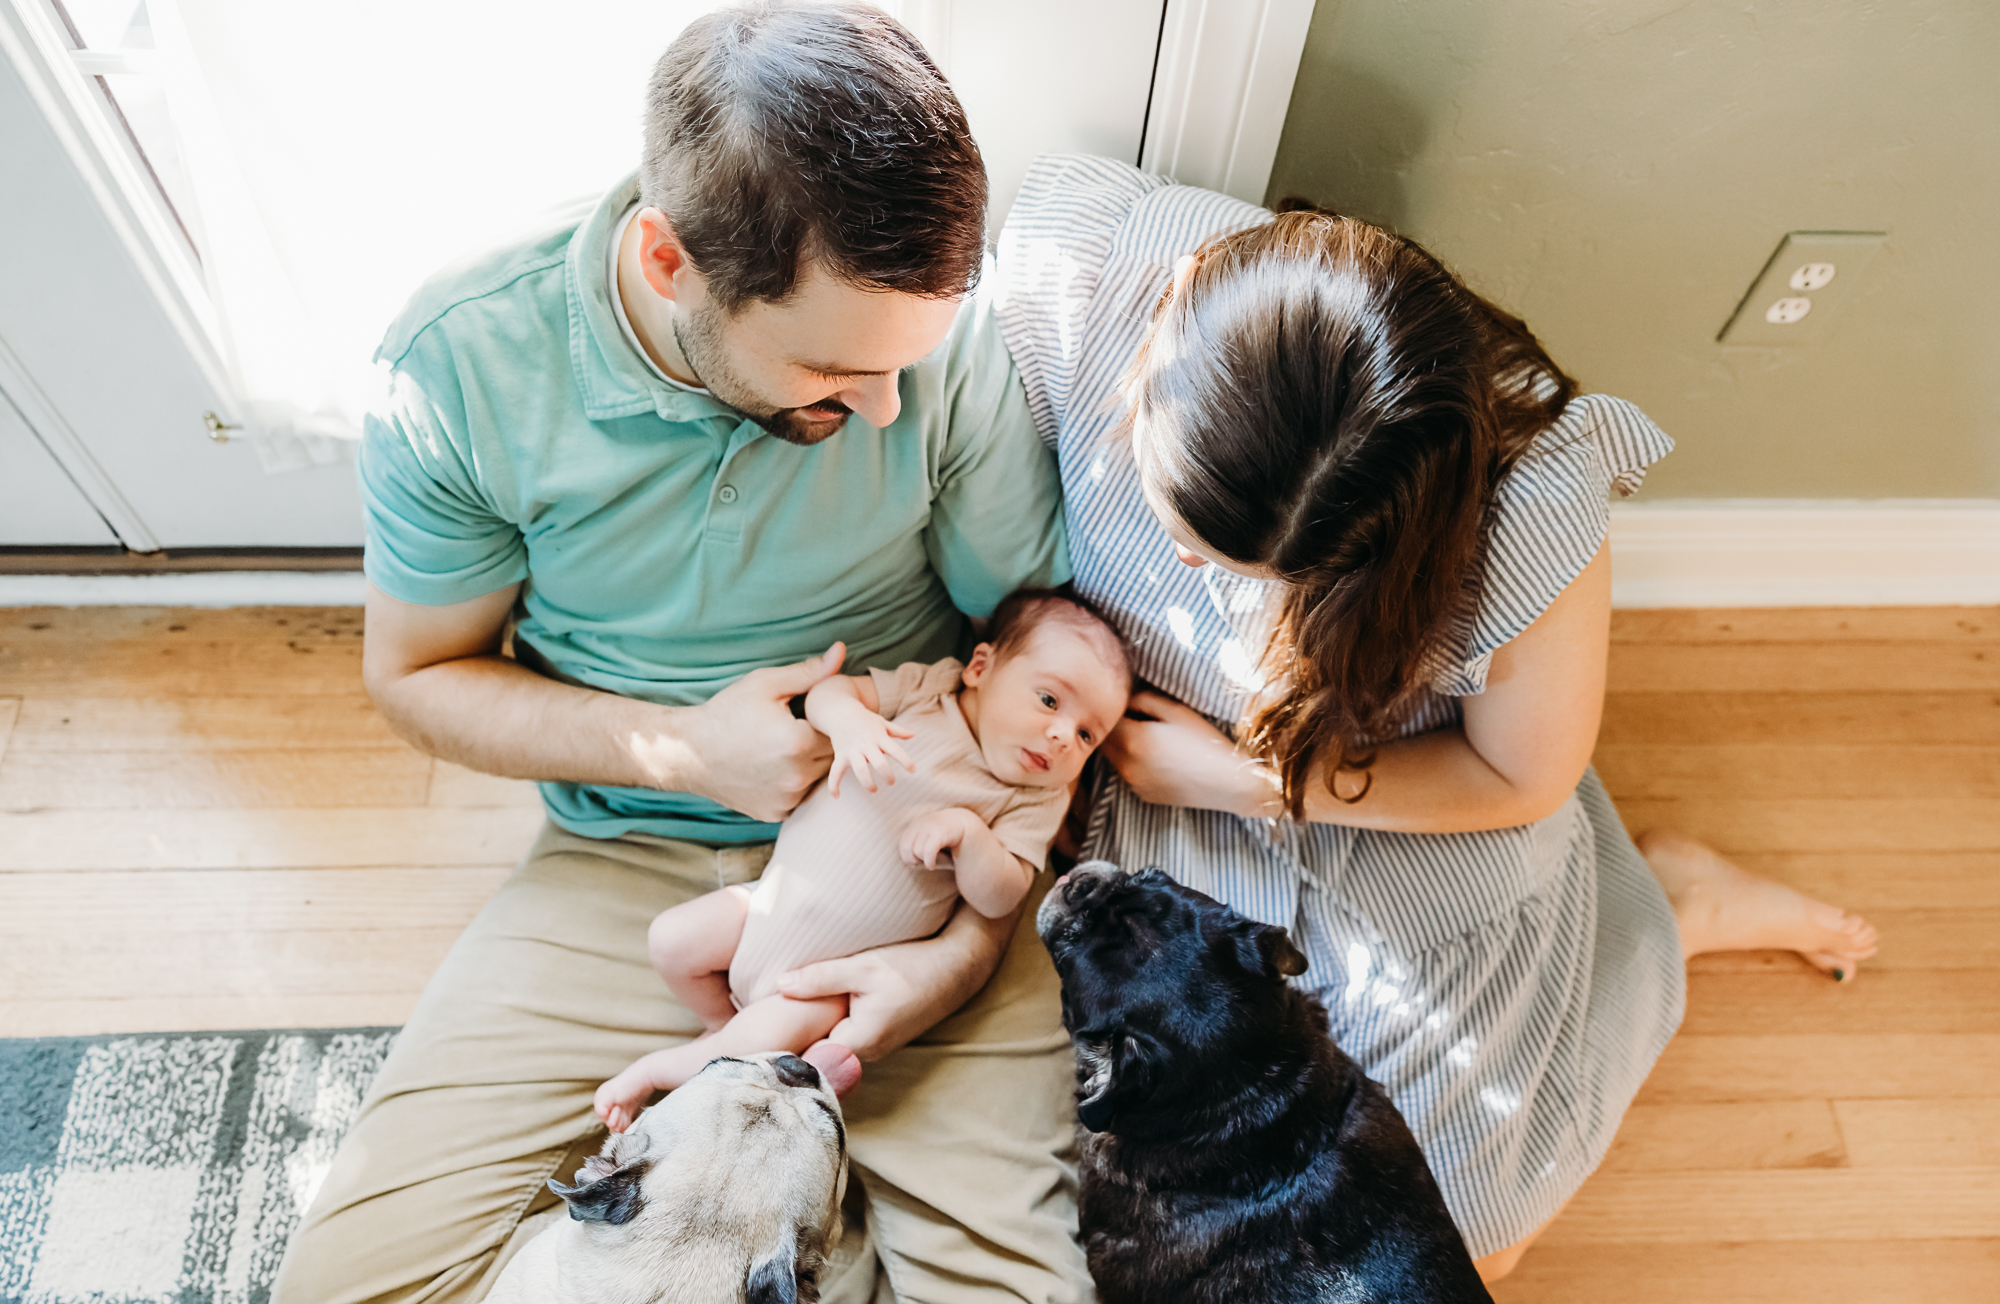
point(836, 1064)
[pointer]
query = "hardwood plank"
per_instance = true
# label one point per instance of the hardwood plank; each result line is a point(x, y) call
point(1911, 939)
point(1805, 625)
point(239, 780)
point(1886, 880)
point(1732, 824)
point(1637, 771)
point(1922, 1133)
point(1782, 1204)
point(83, 1018)
point(1783, 1065)
point(150, 651)
point(260, 839)
point(1804, 667)
point(1862, 1271)
point(1802, 719)
point(1882, 1002)
point(1730, 1135)
point(10, 711)
point(454, 785)
point(61, 723)
point(292, 900)
point(111, 963)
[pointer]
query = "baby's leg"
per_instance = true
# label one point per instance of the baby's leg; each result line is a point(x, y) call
point(774, 1023)
point(692, 945)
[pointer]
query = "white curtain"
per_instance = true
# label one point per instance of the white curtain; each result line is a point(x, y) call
point(340, 153)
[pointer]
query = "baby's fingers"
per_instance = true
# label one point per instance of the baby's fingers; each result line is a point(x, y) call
point(833, 775)
point(891, 749)
point(896, 730)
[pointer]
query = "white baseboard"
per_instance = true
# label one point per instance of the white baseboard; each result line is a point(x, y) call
point(202, 589)
point(1764, 552)
point(1673, 553)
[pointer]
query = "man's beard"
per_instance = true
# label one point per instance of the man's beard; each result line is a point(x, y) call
point(700, 341)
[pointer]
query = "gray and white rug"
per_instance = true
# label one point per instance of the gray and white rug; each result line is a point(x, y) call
point(170, 1168)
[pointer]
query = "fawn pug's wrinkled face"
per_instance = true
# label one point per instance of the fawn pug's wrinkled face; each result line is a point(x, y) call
point(1167, 994)
point(740, 1173)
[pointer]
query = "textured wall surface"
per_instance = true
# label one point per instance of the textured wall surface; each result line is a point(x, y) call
point(1618, 172)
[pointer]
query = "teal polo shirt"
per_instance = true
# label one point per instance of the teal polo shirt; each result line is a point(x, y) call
point(665, 543)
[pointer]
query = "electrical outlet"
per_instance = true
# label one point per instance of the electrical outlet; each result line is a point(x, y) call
point(1800, 286)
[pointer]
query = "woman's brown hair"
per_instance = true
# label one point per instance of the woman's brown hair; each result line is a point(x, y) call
point(1321, 399)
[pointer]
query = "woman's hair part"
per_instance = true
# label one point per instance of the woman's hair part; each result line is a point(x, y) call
point(1321, 400)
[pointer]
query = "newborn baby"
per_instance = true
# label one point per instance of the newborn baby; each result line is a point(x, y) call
point(988, 752)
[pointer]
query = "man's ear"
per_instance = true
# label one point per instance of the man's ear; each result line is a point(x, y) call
point(1127, 1070)
point(1267, 949)
point(612, 1198)
point(661, 254)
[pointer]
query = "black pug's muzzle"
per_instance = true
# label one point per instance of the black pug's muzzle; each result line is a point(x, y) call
point(1164, 990)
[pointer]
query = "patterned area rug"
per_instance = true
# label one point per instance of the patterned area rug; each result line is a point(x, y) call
point(170, 1168)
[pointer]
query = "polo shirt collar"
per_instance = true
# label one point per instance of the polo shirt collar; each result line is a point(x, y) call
point(612, 378)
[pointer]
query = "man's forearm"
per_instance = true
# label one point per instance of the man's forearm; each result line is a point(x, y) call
point(491, 714)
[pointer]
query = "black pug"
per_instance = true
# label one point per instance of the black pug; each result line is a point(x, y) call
point(1230, 1151)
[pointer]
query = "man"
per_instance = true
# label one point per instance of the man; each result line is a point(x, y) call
point(743, 411)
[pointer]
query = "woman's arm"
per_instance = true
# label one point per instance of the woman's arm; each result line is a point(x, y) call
point(1522, 748)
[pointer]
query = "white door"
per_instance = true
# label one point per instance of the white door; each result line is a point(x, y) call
point(108, 344)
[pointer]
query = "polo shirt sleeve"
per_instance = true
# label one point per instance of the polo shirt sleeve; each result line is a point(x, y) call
point(996, 513)
point(435, 534)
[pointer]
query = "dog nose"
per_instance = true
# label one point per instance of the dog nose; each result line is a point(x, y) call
point(1087, 883)
point(795, 1072)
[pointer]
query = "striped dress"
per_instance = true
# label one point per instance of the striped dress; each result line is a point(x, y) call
point(1512, 988)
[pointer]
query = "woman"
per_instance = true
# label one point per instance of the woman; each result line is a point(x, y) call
point(1391, 506)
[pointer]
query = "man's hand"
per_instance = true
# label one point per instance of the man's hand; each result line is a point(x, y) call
point(744, 747)
point(897, 993)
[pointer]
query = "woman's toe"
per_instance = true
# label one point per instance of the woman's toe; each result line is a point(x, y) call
point(1840, 968)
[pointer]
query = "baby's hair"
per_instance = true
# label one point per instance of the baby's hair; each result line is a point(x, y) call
point(1022, 610)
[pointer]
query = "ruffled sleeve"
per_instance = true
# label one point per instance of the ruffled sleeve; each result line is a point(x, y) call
point(1552, 513)
point(1053, 251)
point(914, 683)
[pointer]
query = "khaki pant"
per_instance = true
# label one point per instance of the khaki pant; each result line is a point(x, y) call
point(961, 1143)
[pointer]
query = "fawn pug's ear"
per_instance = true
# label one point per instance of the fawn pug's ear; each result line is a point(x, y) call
point(789, 1276)
point(612, 1197)
point(1265, 949)
point(1123, 1071)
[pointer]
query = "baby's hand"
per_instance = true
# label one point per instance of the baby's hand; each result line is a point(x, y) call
point(928, 836)
point(863, 744)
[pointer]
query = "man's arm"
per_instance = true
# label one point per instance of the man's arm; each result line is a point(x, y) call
point(440, 681)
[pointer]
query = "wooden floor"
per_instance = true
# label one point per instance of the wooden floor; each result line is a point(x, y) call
point(203, 824)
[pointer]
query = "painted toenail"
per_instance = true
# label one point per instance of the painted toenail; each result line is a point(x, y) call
point(1840, 975)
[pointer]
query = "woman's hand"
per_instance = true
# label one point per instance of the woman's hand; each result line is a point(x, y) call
point(1170, 756)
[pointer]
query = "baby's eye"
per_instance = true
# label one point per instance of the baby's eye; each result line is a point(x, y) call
point(1048, 699)
point(1085, 737)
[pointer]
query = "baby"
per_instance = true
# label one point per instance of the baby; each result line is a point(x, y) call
point(989, 751)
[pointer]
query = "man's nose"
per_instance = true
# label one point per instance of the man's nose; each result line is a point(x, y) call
point(878, 399)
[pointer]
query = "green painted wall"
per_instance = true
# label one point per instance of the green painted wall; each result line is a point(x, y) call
point(1617, 172)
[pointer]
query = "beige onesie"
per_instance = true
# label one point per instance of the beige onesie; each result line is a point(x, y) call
point(836, 885)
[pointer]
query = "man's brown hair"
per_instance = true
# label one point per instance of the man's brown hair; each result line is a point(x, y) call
point(779, 132)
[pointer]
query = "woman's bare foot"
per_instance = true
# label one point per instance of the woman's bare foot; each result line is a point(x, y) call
point(1723, 908)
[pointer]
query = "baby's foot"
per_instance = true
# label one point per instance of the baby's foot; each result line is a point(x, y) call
point(836, 1064)
point(619, 1101)
point(1724, 908)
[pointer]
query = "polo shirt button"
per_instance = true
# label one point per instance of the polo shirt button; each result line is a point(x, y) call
point(727, 494)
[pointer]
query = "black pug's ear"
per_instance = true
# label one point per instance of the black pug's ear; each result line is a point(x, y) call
point(612, 1198)
point(1123, 1073)
point(1267, 949)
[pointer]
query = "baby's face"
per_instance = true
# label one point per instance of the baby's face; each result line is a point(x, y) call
point(1044, 708)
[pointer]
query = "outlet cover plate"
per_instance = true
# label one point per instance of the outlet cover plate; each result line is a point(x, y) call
point(1848, 251)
